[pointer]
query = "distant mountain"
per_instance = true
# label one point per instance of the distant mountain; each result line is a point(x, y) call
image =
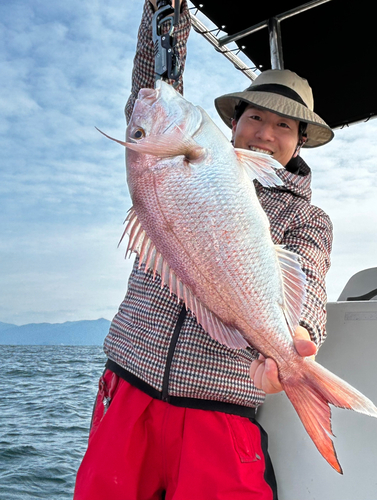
point(5, 326)
point(86, 332)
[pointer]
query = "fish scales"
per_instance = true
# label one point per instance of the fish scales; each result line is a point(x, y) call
point(194, 220)
point(195, 208)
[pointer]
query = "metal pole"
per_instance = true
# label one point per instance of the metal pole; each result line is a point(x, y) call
point(238, 63)
point(241, 34)
point(264, 24)
point(276, 49)
point(302, 8)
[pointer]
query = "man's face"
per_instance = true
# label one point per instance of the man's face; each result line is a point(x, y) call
point(266, 132)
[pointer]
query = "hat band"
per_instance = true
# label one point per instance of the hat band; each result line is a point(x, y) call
point(276, 88)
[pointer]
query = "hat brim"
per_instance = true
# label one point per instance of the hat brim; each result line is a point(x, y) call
point(318, 132)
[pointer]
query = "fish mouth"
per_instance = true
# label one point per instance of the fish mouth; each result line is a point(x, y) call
point(149, 96)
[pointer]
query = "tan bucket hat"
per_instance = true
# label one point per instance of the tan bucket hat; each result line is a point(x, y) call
point(284, 93)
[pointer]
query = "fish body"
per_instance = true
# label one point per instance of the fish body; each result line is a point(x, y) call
point(204, 218)
point(196, 220)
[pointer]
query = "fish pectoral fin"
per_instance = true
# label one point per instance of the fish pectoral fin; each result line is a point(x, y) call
point(260, 166)
point(294, 281)
point(152, 260)
point(167, 145)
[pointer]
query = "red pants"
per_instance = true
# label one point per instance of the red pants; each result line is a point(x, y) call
point(145, 449)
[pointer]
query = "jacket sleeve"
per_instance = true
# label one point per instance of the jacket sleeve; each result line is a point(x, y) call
point(143, 69)
point(312, 241)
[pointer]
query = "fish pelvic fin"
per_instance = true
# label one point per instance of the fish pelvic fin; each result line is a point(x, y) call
point(151, 259)
point(294, 285)
point(167, 145)
point(311, 396)
point(260, 166)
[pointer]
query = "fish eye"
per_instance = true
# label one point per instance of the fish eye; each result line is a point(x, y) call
point(139, 133)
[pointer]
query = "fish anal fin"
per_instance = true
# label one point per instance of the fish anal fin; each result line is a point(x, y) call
point(260, 166)
point(294, 281)
point(226, 335)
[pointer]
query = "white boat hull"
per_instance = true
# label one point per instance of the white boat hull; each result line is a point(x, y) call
point(350, 351)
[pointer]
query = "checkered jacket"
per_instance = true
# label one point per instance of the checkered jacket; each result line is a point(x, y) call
point(143, 339)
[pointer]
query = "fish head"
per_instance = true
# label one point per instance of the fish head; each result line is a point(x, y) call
point(158, 110)
point(161, 116)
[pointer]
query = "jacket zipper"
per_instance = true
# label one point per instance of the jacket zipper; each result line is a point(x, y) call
point(169, 359)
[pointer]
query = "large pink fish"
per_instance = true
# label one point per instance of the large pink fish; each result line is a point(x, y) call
point(196, 221)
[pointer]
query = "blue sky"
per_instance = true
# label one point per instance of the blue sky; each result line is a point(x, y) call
point(66, 68)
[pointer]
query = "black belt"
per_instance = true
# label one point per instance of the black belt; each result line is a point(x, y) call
point(197, 404)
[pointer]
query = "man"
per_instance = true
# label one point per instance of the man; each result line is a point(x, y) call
point(175, 412)
point(264, 119)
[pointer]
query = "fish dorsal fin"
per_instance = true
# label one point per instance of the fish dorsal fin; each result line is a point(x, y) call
point(151, 259)
point(260, 166)
point(294, 281)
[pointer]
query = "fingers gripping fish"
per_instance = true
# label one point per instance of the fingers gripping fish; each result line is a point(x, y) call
point(197, 222)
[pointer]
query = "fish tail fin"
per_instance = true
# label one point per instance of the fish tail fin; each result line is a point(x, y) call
point(311, 395)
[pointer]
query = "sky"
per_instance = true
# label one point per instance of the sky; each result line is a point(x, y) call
point(66, 69)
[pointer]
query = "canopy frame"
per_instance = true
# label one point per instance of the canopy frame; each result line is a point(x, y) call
point(274, 32)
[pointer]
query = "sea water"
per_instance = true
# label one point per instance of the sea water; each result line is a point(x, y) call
point(46, 403)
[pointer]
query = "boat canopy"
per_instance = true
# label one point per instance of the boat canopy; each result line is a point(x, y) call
point(331, 43)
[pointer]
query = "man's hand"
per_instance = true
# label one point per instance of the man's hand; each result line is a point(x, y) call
point(264, 372)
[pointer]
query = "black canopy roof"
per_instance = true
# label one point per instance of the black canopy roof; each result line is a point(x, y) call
point(332, 45)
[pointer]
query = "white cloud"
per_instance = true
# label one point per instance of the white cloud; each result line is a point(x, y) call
point(66, 68)
point(345, 186)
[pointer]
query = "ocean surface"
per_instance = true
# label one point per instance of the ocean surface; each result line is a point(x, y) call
point(46, 403)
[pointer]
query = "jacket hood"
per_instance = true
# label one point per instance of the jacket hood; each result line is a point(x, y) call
point(297, 183)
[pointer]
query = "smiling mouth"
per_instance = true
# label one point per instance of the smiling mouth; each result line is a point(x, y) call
point(259, 150)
